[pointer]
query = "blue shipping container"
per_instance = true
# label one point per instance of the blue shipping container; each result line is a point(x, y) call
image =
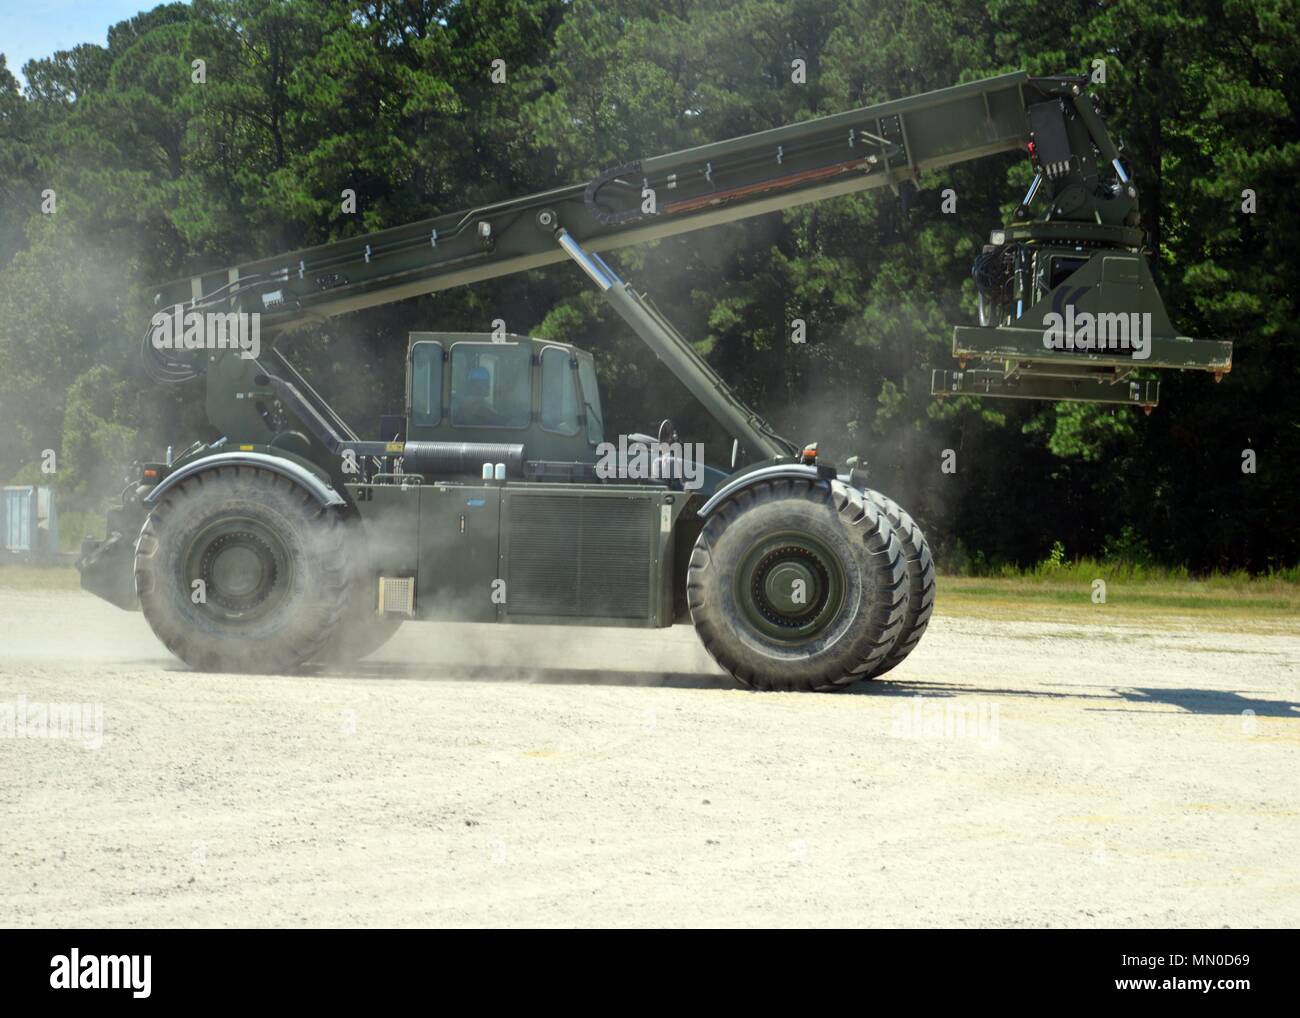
point(28, 522)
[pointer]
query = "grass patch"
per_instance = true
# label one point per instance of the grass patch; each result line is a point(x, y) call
point(20, 577)
point(1065, 593)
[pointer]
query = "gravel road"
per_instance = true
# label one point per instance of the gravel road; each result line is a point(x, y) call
point(1010, 773)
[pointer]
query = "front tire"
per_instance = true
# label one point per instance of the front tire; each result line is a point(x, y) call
point(239, 569)
point(797, 586)
point(920, 581)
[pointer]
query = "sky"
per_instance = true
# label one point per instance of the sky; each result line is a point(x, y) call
point(30, 29)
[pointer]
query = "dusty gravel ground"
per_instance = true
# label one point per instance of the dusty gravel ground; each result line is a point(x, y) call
point(1011, 773)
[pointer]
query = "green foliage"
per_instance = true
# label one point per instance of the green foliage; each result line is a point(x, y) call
point(158, 176)
point(1085, 431)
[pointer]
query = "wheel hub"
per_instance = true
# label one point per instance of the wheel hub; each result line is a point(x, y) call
point(237, 570)
point(790, 586)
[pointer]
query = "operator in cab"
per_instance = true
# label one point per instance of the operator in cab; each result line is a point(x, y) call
point(476, 406)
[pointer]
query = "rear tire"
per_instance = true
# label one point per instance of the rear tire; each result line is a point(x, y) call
point(361, 630)
point(239, 569)
point(774, 541)
point(920, 581)
point(358, 638)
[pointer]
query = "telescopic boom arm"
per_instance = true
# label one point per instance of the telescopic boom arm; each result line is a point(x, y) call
point(1079, 172)
point(693, 189)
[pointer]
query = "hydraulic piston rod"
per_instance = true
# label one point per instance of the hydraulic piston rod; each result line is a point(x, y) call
point(674, 350)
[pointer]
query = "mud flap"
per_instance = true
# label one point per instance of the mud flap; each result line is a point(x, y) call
point(108, 570)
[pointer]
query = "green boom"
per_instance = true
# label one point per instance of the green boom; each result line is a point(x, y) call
point(1074, 248)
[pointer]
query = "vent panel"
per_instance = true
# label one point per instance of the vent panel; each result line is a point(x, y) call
point(397, 595)
point(580, 555)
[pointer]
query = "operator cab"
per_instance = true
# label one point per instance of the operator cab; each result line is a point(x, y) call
point(516, 390)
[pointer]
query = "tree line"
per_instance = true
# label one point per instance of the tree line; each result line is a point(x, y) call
point(210, 133)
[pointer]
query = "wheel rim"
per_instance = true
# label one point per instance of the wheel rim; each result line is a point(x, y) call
point(245, 569)
point(790, 586)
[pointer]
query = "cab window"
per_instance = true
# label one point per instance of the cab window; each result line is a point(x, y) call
point(491, 385)
point(426, 384)
point(559, 394)
point(591, 399)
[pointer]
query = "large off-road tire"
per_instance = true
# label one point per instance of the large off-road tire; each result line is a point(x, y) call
point(360, 631)
point(920, 581)
point(271, 566)
point(358, 637)
point(743, 585)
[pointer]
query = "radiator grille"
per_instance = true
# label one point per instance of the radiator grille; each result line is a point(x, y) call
point(580, 555)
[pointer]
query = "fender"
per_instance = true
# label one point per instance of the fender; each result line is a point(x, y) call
point(321, 490)
point(777, 471)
